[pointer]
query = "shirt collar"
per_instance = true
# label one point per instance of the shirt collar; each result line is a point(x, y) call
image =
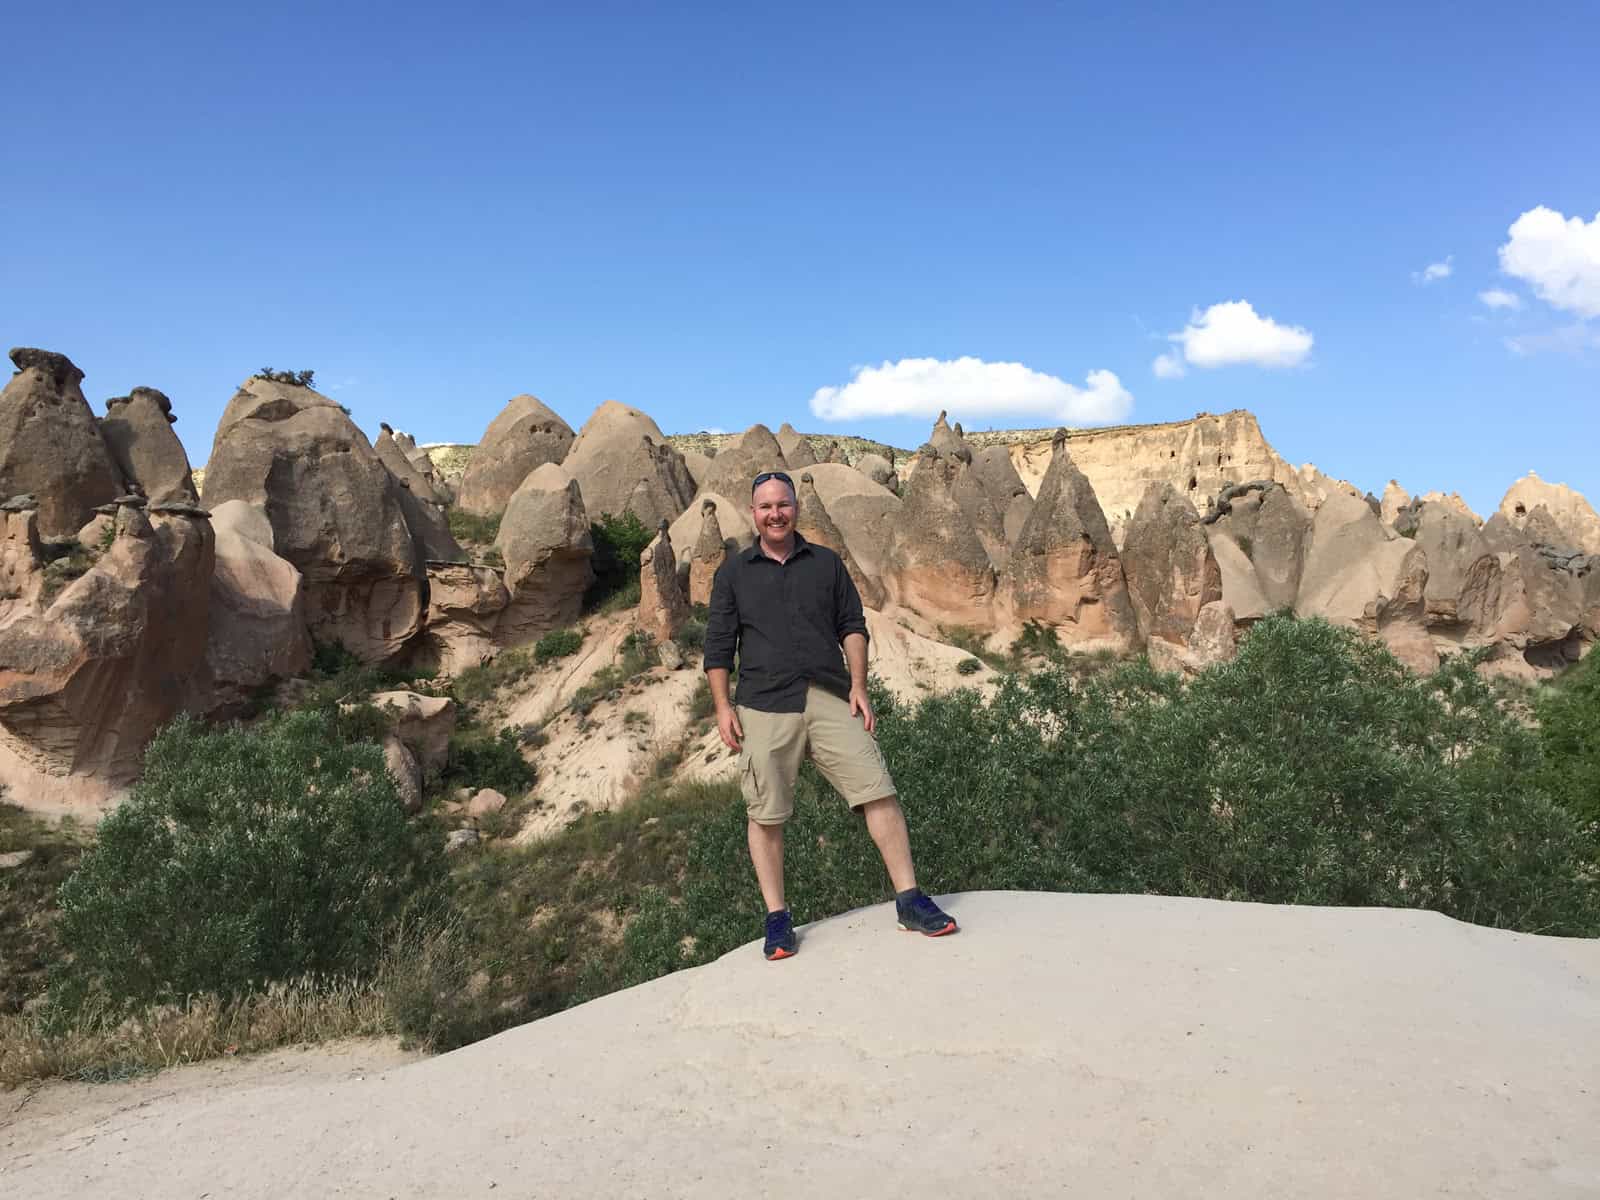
point(800, 544)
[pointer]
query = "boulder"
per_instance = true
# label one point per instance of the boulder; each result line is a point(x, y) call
point(1171, 571)
point(878, 469)
point(50, 444)
point(89, 674)
point(815, 525)
point(337, 513)
point(622, 463)
point(1064, 569)
point(710, 552)
point(393, 456)
point(737, 464)
point(423, 723)
point(524, 436)
point(464, 606)
point(795, 447)
point(545, 541)
point(663, 607)
point(138, 431)
point(936, 565)
point(485, 801)
point(257, 631)
point(1571, 513)
point(403, 769)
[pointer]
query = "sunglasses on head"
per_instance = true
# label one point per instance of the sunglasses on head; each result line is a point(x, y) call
point(766, 475)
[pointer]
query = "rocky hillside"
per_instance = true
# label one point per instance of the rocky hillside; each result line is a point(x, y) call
point(135, 589)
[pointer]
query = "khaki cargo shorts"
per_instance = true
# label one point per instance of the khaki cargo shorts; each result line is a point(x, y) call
point(775, 744)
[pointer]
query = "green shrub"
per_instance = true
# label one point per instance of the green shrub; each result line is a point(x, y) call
point(1038, 640)
point(558, 643)
point(244, 857)
point(478, 758)
point(618, 543)
point(1569, 733)
point(481, 682)
point(969, 666)
point(471, 527)
point(292, 378)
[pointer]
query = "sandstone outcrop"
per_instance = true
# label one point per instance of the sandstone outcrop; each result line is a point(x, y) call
point(741, 460)
point(1064, 569)
point(257, 630)
point(1171, 571)
point(796, 447)
point(1260, 548)
point(878, 469)
point(1574, 518)
point(698, 465)
point(944, 439)
point(50, 444)
point(663, 607)
point(423, 724)
point(545, 541)
point(815, 525)
point(464, 606)
point(89, 674)
point(401, 466)
point(937, 566)
point(867, 514)
point(1394, 500)
point(1213, 640)
point(1360, 573)
point(525, 435)
point(336, 512)
point(709, 553)
point(997, 475)
point(622, 463)
point(733, 523)
point(138, 431)
point(1462, 597)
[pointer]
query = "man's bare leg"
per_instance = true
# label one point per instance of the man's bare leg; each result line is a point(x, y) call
point(766, 852)
point(887, 824)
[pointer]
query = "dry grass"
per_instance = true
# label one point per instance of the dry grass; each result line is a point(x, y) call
point(99, 1049)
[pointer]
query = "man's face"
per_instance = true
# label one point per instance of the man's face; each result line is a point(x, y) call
point(773, 508)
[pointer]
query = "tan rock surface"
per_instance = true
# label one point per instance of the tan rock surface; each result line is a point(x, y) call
point(709, 552)
point(137, 429)
point(401, 466)
point(336, 512)
point(623, 463)
point(464, 606)
point(524, 435)
point(815, 525)
point(737, 464)
point(1165, 1047)
point(1573, 514)
point(663, 605)
point(937, 566)
point(878, 469)
point(423, 723)
point(796, 447)
point(1171, 572)
point(545, 540)
point(50, 444)
point(257, 629)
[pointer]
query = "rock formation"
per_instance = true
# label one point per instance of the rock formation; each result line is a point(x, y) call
point(464, 606)
point(878, 469)
point(544, 539)
point(997, 475)
point(1064, 569)
point(796, 448)
point(1573, 516)
point(257, 629)
point(1171, 571)
point(1213, 640)
point(741, 460)
point(50, 444)
point(87, 675)
point(1260, 545)
point(946, 440)
point(815, 525)
point(1462, 597)
point(622, 463)
point(867, 514)
point(525, 435)
point(663, 607)
point(710, 552)
point(394, 456)
point(1395, 499)
point(138, 431)
point(336, 511)
point(936, 564)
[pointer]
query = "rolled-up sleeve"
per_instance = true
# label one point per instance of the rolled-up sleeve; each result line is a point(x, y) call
point(722, 625)
point(846, 604)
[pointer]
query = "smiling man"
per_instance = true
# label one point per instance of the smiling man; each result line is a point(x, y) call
point(786, 607)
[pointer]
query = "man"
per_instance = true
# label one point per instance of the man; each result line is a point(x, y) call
point(787, 606)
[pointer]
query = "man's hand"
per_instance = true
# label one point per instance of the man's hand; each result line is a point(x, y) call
point(860, 705)
point(728, 725)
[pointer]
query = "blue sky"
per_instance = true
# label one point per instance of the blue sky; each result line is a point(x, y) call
point(712, 212)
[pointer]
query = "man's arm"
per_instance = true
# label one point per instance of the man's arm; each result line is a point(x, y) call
point(851, 623)
point(722, 640)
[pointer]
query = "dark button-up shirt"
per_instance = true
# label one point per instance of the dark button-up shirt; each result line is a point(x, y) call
point(786, 621)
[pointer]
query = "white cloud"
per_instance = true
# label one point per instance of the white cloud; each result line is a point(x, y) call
point(1433, 271)
point(920, 387)
point(1496, 298)
point(1558, 256)
point(1169, 366)
point(1576, 339)
point(1233, 334)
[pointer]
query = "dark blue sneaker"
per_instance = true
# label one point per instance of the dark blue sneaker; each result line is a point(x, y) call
point(781, 941)
point(919, 914)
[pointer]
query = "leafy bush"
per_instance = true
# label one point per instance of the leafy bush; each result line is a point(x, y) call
point(969, 666)
point(471, 527)
point(1569, 732)
point(240, 858)
point(481, 682)
point(1313, 769)
point(478, 758)
point(618, 543)
point(558, 643)
point(292, 378)
point(1038, 640)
